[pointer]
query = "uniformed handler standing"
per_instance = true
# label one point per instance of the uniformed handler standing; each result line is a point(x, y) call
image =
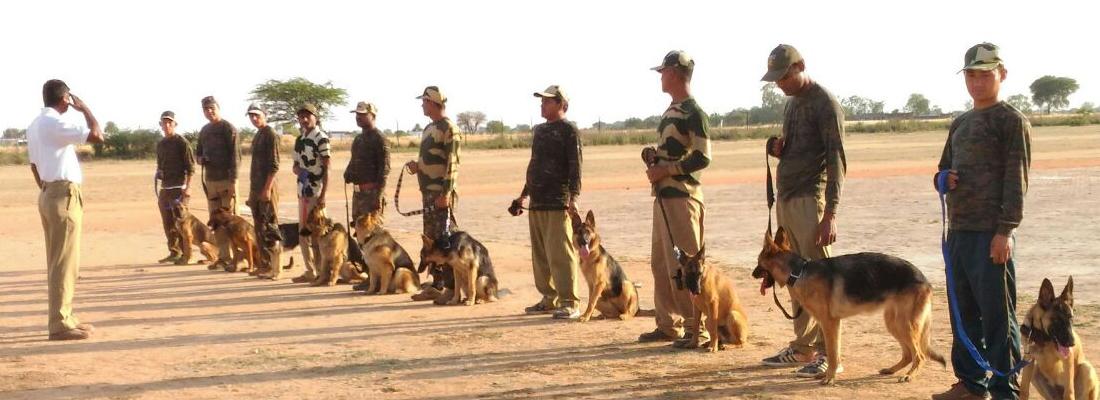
point(311, 166)
point(369, 164)
point(263, 193)
point(436, 168)
point(675, 172)
point(219, 152)
point(175, 166)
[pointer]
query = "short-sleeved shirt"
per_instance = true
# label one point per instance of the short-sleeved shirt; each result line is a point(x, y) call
point(51, 144)
point(813, 161)
point(684, 148)
point(175, 161)
point(554, 172)
point(309, 149)
point(438, 163)
point(219, 145)
point(991, 151)
point(265, 158)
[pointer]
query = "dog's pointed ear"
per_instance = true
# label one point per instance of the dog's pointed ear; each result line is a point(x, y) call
point(702, 253)
point(590, 219)
point(769, 243)
point(1067, 292)
point(1046, 293)
point(781, 239)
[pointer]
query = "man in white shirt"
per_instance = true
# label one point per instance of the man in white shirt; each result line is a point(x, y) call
point(51, 143)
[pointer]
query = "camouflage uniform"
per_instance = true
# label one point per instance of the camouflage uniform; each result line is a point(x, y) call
point(370, 163)
point(990, 149)
point(265, 213)
point(438, 173)
point(175, 163)
point(218, 145)
point(309, 150)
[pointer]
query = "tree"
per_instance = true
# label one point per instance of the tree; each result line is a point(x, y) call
point(496, 127)
point(15, 133)
point(855, 105)
point(1052, 91)
point(917, 104)
point(1021, 102)
point(470, 121)
point(111, 128)
point(281, 99)
point(417, 128)
point(527, 128)
point(1086, 109)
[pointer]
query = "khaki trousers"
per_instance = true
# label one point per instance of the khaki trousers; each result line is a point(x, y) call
point(799, 216)
point(674, 309)
point(265, 222)
point(61, 208)
point(311, 248)
point(222, 194)
point(553, 257)
point(166, 202)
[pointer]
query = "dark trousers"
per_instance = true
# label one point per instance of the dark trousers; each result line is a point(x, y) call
point(265, 222)
point(986, 295)
point(169, 211)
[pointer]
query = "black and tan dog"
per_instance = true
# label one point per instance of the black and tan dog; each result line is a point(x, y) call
point(1059, 369)
point(390, 268)
point(835, 288)
point(333, 239)
point(609, 290)
point(712, 295)
point(470, 269)
point(194, 233)
point(242, 237)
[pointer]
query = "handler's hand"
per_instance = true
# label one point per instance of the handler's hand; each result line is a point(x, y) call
point(656, 172)
point(1000, 249)
point(413, 167)
point(826, 230)
point(443, 201)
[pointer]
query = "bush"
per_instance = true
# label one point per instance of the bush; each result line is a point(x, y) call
point(128, 145)
point(14, 156)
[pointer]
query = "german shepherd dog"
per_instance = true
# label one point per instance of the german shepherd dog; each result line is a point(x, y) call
point(390, 268)
point(835, 288)
point(333, 267)
point(194, 233)
point(609, 290)
point(471, 269)
point(1059, 369)
point(712, 295)
point(242, 238)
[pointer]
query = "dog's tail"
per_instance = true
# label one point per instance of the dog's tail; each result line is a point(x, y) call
point(926, 331)
point(290, 264)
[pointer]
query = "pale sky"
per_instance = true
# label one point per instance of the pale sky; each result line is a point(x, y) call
point(130, 60)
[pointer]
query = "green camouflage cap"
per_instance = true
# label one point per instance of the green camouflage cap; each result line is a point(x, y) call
point(779, 61)
point(209, 101)
point(309, 108)
point(171, 116)
point(676, 58)
point(982, 56)
point(434, 95)
point(365, 108)
point(255, 109)
point(553, 92)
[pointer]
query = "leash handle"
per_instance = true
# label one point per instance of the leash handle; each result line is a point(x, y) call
point(397, 196)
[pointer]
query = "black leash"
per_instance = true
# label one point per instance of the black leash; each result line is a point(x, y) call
point(769, 193)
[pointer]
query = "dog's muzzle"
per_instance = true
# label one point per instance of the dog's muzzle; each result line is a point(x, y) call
point(767, 281)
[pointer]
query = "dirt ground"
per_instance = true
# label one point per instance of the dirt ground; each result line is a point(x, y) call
point(185, 332)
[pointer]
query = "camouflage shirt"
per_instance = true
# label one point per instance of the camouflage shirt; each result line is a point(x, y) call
point(554, 172)
point(813, 161)
point(174, 161)
point(684, 149)
point(991, 151)
point(438, 161)
point(265, 159)
point(370, 159)
point(218, 144)
point(309, 150)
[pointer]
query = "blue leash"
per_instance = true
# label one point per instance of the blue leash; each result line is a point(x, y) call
point(941, 188)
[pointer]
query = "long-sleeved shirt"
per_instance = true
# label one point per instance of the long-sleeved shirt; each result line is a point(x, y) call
point(370, 159)
point(684, 148)
point(175, 161)
point(813, 161)
point(554, 172)
point(438, 161)
point(265, 158)
point(991, 151)
point(218, 144)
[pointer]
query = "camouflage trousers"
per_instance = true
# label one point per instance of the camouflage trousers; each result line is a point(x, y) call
point(438, 219)
point(265, 221)
point(367, 201)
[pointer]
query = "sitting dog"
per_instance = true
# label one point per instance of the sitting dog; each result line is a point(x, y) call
point(835, 288)
point(194, 233)
point(471, 270)
point(333, 267)
point(242, 237)
point(389, 265)
point(712, 295)
point(609, 290)
point(1059, 369)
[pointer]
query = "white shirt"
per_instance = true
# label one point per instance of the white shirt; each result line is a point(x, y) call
point(51, 144)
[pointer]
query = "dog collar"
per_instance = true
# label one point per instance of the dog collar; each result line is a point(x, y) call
point(797, 266)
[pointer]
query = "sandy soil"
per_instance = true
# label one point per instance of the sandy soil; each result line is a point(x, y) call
point(184, 332)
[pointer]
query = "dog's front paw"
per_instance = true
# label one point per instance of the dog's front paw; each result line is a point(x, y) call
point(885, 371)
point(584, 318)
point(829, 379)
point(469, 301)
point(905, 379)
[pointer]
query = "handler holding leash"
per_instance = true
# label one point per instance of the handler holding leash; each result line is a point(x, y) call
point(219, 153)
point(263, 194)
point(675, 169)
point(436, 168)
point(369, 164)
point(810, 176)
point(984, 168)
point(175, 166)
